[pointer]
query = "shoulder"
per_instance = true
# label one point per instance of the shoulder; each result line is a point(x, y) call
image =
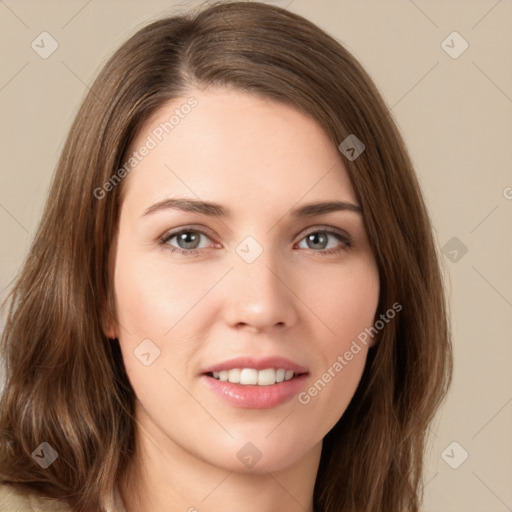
point(16, 499)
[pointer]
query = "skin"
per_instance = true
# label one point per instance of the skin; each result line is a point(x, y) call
point(260, 159)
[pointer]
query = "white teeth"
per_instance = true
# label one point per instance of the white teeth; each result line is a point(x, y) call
point(252, 377)
point(248, 376)
point(234, 375)
point(266, 377)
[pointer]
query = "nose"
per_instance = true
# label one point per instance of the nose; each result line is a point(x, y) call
point(259, 296)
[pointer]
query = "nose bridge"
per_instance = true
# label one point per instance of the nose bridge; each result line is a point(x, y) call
point(257, 290)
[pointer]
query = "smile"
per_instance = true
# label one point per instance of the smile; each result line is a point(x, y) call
point(253, 377)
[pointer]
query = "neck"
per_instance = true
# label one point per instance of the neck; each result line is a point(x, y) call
point(165, 477)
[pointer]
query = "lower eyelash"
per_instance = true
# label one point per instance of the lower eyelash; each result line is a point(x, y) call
point(346, 242)
point(188, 252)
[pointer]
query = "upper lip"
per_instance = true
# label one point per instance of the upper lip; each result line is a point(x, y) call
point(257, 363)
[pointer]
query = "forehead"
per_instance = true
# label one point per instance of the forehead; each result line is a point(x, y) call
point(233, 145)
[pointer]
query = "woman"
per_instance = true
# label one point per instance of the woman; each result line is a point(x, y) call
point(177, 339)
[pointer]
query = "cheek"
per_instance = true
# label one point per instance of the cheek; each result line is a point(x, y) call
point(152, 296)
point(157, 309)
point(346, 302)
point(150, 301)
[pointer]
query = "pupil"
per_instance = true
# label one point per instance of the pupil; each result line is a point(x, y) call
point(184, 236)
point(315, 236)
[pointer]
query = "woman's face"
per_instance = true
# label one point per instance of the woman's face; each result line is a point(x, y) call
point(258, 277)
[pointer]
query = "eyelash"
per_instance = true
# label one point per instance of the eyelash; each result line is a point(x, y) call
point(346, 241)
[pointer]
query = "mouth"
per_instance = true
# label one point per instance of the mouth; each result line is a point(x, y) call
point(254, 377)
point(251, 383)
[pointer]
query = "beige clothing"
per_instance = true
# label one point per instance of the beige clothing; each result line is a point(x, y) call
point(13, 500)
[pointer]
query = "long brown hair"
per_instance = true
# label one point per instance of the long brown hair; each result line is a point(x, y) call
point(65, 381)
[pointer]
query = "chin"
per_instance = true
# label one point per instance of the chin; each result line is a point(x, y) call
point(257, 455)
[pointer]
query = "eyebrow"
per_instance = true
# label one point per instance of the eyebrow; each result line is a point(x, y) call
point(217, 210)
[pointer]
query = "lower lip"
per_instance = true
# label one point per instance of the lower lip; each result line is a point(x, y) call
point(256, 397)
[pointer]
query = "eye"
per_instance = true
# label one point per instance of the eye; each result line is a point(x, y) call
point(319, 239)
point(187, 240)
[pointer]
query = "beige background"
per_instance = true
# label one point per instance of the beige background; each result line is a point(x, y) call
point(455, 114)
